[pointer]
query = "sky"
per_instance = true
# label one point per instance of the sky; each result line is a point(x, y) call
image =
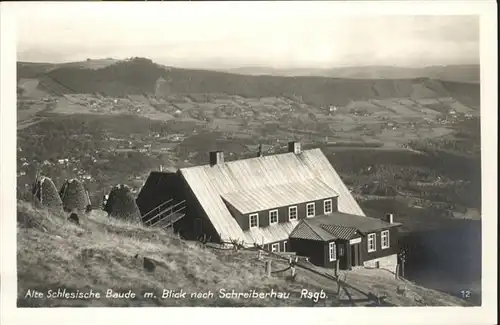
point(279, 35)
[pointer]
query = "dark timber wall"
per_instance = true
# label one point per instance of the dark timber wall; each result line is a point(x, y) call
point(393, 245)
point(243, 219)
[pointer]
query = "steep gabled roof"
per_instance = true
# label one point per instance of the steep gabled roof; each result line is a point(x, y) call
point(268, 197)
point(305, 231)
point(338, 225)
point(210, 183)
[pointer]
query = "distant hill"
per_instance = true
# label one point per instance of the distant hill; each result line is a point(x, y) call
point(458, 73)
point(34, 69)
point(143, 76)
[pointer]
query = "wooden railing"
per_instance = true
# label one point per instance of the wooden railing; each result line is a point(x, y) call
point(167, 216)
point(157, 208)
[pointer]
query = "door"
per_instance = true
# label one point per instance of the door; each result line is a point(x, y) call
point(342, 252)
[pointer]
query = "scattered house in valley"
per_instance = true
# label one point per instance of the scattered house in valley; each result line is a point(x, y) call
point(293, 201)
point(63, 161)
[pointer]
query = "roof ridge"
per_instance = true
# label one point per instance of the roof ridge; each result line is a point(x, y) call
point(251, 158)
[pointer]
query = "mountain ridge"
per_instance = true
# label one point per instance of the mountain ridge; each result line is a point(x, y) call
point(141, 76)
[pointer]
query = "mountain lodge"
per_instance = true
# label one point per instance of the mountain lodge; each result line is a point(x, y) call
point(293, 201)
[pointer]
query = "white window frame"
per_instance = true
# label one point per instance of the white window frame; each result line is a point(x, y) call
point(313, 204)
point(371, 237)
point(290, 214)
point(385, 234)
point(331, 206)
point(275, 247)
point(284, 245)
point(250, 220)
point(332, 251)
point(270, 218)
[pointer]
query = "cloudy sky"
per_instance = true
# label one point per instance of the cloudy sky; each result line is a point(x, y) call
point(220, 34)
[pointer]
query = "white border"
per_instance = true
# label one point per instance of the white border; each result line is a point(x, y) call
point(442, 315)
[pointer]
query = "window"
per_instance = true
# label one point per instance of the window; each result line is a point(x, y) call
point(292, 213)
point(341, 250)
point(275, 247)
point(332, 251)
point(310, 210)
point(371, 243)
point(254, 220)
point(327, 205)
point(284, 246)
point(273, 217)
point(384, 241)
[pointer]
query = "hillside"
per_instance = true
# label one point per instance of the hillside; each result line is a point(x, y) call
point(100, 255)
point(142, 76)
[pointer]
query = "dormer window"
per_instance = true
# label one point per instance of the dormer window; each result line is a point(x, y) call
point(327, 206)
point(254, 220)
point(292, 213)
point(310, 210)
point(273, 217)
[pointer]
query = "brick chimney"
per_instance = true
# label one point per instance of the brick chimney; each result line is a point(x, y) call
point(259, 153)
point(294, 146)
point(216, 158)
point(389, 217)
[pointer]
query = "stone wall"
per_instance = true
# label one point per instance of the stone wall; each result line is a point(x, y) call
point(387, 262)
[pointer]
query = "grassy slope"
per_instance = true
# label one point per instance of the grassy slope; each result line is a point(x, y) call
point(99, 255)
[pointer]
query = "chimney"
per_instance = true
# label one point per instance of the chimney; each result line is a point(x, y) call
point(259, 154)
point(294, 146)
point(216, 158)
point(161, 168)
point(389, 218)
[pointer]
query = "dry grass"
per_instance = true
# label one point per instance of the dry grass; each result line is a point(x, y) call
point(99, 255)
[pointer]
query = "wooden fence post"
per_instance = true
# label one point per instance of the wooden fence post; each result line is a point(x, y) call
point(268, 268)
point(260, 255)
point(337, 268)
